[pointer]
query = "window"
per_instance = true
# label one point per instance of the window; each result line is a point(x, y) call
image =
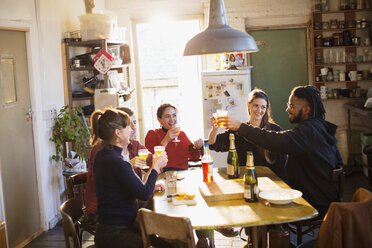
point(167, 76)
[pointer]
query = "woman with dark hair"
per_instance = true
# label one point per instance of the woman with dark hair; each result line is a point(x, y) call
point(178, 152)
point(117, 185)
point(130, 154)
point(259, 111)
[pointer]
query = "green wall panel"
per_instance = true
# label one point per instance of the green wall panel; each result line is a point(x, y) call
point(280, 65)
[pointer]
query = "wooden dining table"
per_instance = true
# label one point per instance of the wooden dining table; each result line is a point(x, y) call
point(210, 215)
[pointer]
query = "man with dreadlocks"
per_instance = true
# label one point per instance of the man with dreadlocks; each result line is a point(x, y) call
point(311, 146)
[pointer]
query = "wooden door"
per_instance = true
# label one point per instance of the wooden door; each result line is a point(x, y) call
point(279, 66)
point(17, 155)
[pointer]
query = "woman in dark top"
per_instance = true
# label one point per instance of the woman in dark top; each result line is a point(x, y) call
point(117, 184)
point(258, 106)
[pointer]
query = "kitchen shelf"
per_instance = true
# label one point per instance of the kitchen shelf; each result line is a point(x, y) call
point(343, 98)
point(318, 48)
point(343, 11)
point(95, 43)
point(369, 80)
point(359, 63)
point(338, 29)
point(91, 68)
point(347, 15)
point(77, 98)
point(91, 46)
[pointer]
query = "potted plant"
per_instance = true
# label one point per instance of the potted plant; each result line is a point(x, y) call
point(70, 127)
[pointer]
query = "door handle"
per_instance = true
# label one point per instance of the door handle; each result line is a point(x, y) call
point(29, 114)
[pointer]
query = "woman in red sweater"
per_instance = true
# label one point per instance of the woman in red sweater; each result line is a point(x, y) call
point(178, 152)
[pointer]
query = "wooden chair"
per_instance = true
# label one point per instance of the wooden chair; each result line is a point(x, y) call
point(348, 224)
point(71, 213)
point(311, 225)
point(76, 186)
point(166, 227)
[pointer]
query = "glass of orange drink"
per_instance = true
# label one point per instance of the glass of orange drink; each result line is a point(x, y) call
point(177, 125)
point(159, 150)
point(143, 153)
point(220, 113)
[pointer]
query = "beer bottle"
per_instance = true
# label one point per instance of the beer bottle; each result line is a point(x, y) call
point(232, 159)
point(250, 180)
point(207, 164)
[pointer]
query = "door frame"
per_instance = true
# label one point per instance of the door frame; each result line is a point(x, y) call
point(35, 89)
point(310, 64)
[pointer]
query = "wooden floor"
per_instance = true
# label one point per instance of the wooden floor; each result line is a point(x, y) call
point(55, 238)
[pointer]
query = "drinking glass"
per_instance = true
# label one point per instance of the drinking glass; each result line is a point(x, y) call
point(159, 150)
point(220, 113)
point(178, 132)
point(171, 178)
point(142, 153)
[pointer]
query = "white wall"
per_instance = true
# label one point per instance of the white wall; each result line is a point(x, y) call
point(47, 21)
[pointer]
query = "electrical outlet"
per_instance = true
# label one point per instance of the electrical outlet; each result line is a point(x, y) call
point(49, 115)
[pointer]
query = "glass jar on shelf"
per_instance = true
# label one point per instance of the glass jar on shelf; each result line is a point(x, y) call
point(318, 59)
point(344, 5)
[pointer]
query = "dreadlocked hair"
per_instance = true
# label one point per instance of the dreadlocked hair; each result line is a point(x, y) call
point(312, 96)
point(104, 124)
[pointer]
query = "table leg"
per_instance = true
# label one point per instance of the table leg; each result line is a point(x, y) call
point(264, 236)
point(211, 238)
point(254, 237)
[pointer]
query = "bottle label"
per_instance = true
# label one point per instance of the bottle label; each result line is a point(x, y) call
point(230, 169)
point(255, 189)
point(247, 193)
point(210, 169)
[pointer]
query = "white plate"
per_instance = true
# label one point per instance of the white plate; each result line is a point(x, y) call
point(280, 196)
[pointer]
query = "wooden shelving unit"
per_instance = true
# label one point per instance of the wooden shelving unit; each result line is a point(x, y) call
point(91, 45)
point(346, 15)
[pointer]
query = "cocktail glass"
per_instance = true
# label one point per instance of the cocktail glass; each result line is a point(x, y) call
point(159, 150)
point(178, 132)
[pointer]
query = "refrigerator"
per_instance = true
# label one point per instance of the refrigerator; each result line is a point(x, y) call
point(225, 89)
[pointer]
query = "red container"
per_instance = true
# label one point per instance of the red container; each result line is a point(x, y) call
point(207, 171)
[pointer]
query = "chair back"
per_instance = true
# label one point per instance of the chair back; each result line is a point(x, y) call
point(165, 226)
point(348, 224)
point(71, 213)
point(76, 185)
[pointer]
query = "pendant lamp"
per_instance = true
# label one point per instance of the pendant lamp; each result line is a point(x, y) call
point(219, 37)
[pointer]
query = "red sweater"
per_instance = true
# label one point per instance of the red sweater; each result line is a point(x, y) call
point(90, 192)
point(178, 153)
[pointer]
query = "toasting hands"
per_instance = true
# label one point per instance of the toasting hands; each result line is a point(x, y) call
point(229, 123)
point(159, 162)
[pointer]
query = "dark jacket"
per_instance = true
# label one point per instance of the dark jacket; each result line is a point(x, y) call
point(243, 145)
point(118, 187)
point(312, 155)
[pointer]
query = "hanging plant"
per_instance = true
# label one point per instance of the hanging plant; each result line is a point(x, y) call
point(70, 127)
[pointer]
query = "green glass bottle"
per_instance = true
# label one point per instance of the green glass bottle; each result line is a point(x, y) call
point(250, 180)
point(232, 159)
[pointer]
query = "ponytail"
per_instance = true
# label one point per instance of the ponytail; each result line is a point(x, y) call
point(94, 120)
point(104, 123)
